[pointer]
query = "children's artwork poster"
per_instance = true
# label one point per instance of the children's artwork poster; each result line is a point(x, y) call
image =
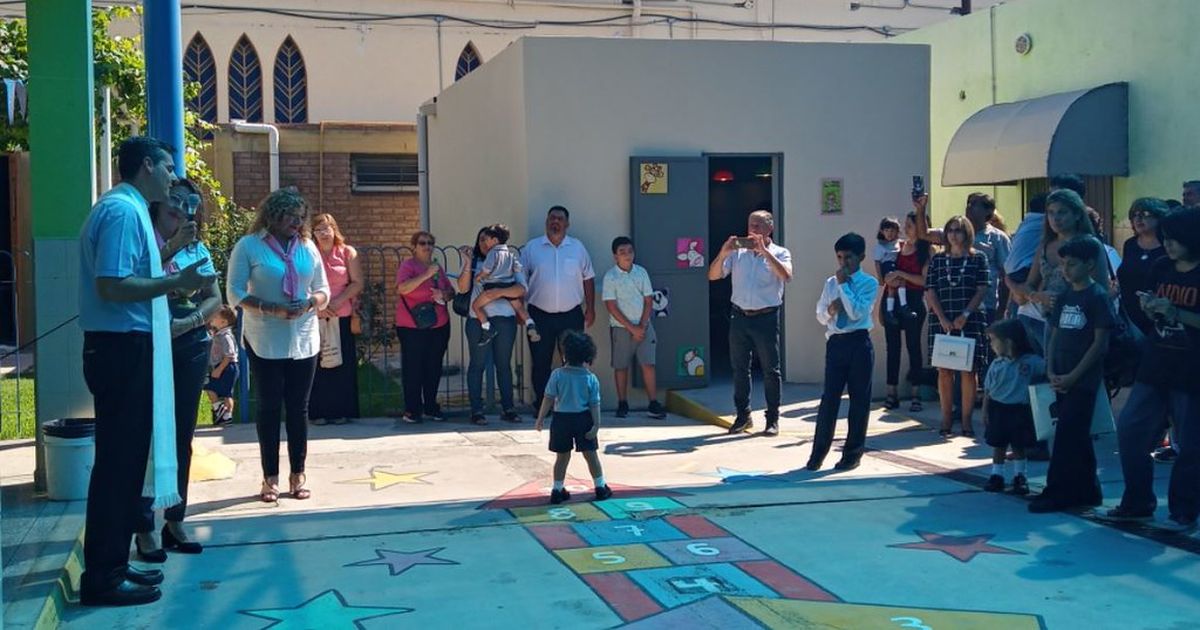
point(689, 253)
point(654, 178)
point(831, 195)
point(689, 361)
point(660, 302)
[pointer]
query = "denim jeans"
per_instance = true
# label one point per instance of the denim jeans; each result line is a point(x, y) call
point(1139, 429)
point(759, 333)
point(497, 353)
point(283, 386)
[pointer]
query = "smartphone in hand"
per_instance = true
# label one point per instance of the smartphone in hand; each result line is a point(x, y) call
point(743, 242)
point(918, 187)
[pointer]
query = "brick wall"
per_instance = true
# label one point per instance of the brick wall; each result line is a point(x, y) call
point(366, 218)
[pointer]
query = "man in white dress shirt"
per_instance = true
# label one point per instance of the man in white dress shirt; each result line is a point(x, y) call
point(845, 311)
point(759, 269)
point(561, 294)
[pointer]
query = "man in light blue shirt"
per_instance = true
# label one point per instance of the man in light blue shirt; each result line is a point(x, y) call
point(759, 268)
point(116, 288)
point(845, 311)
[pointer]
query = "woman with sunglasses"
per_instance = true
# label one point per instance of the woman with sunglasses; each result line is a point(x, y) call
point(175, 229)
point(276, 276)
point(1138, 257)
point(956, 282)
point(335, 390)
point(423, 327)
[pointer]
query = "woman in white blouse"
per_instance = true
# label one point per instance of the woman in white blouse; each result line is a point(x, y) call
point(276, 276)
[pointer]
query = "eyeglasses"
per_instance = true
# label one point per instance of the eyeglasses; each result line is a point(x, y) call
point(425, 242)
point(324, 229)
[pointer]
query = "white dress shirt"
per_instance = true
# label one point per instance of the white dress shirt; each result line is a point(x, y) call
point(857, 296)
point(256, 270)
point(556, 274)
point(755, 285)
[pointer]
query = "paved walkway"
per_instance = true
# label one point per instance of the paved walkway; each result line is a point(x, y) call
point(445, 526)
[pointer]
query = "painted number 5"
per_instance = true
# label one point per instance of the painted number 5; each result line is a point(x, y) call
point(608, 557)
point(703, 549)
point(911, 622)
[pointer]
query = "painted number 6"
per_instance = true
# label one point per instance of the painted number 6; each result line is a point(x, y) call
point(703, 549)
point(911, 622)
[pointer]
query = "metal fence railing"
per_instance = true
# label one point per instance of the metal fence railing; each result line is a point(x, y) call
point(378, 346)
point(17, 405)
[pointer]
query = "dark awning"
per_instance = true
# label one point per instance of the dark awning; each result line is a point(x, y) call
point(1084, 132)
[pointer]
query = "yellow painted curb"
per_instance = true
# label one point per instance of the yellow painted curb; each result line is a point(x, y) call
point(210, 465)
point(65, 592)
point(680, 405)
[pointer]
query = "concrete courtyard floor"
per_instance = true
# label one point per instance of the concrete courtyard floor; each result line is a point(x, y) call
point(444, 525)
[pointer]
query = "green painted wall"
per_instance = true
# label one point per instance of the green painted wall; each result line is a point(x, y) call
point(61, 138)
point(1151, 44)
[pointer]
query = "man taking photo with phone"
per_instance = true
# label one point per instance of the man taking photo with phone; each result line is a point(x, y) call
point(758, 268)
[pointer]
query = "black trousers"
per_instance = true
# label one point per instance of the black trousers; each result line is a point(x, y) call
point(282, 385)
point(760, 334)
point(910, 328)
point(849, 363)
point(551, 327)
point(421, 356)
point(189, 356)
point(1072, 479)
point(119, 371)
point(335, 390)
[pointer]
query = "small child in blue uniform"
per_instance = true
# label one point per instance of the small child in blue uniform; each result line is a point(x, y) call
point(1006, 411)
point(573, 393)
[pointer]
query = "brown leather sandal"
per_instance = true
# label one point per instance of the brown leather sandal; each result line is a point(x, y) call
point(269, 492)
point(299, 492)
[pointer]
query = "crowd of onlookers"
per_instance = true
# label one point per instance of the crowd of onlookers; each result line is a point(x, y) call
point(1053, 303)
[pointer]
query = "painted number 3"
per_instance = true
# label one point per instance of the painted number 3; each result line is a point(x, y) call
point(911, 622)
point(561, 514)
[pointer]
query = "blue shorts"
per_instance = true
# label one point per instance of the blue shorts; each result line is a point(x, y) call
point(223, 387)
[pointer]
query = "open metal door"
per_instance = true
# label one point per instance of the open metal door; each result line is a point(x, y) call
point(669, 212)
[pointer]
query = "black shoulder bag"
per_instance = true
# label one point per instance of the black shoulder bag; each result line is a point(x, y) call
point(462, 301)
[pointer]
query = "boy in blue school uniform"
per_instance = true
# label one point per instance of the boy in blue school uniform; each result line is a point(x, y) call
point(573, 393)
point(845, 311)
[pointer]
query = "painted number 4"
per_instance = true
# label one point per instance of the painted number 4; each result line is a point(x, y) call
point(911, 622)
point(632, 529)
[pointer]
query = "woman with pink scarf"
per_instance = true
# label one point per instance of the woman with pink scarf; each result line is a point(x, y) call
point(276, 277)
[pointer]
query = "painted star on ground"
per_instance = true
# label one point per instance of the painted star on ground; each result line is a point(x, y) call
point(381, 479)
point(961, 548)
point(732, 475)
point(327, 611)
point(400, 561)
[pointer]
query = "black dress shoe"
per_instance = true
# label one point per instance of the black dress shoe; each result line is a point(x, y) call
point(182, 546)
point(157, 556)
point(846, 464)
point(144, 577)
point(124, 594)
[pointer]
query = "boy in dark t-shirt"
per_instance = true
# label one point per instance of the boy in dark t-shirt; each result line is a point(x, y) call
point(1080, 325)
point(1168, 379)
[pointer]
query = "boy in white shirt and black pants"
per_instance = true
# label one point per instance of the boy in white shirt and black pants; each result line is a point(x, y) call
point(845, 311)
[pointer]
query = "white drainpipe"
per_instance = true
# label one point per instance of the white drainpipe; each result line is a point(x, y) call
point(429, 108)
point(272, 132)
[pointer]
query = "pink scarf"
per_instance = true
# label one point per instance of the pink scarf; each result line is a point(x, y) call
point(168, 267)
point(291, 279)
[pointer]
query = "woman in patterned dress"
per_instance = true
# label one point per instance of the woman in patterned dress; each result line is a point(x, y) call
point(955, 285)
